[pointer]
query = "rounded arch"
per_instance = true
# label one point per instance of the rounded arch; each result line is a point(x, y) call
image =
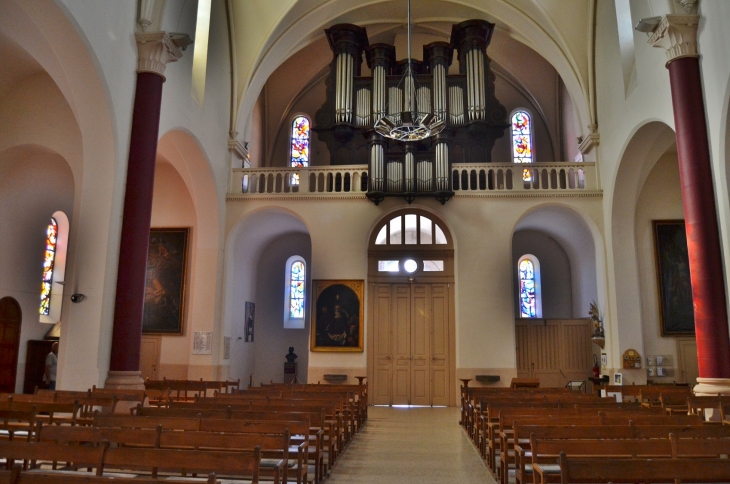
point(262, 240)
point(647, 143)
point(384, 222)
point(579, 236)
point(299, 25)
point(69, 60)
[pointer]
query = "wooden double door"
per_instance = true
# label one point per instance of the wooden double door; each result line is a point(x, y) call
point(411, 355)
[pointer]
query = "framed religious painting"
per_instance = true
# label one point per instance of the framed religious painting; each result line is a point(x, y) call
point(164, 294)
point(337, 315)
point(675, 288)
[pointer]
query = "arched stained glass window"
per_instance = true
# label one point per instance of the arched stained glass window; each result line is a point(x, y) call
point(296, 294)
point(529, 279)
point(300, 142)
point(522, 141)
point(48, 261)
point(295, 283)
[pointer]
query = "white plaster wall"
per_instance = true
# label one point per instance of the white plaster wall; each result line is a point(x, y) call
point(555, 283)
point(271, 339)
point(660, 199)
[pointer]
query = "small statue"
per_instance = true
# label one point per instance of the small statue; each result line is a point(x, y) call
point(291, 356)
point(597, 321)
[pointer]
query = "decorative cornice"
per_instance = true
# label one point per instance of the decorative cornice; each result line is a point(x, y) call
point(154, 51)
point(591, 141)
point(677, 34)
point(238, 149)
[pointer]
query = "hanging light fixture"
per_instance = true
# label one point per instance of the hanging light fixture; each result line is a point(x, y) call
point(411, 124)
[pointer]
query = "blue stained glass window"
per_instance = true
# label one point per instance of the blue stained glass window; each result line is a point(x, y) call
point(296, 293)
point(528, 302)
point(48, 261)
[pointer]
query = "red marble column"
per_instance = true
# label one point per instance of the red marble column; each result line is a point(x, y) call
point(155, 50)
point(127, 333)
point(700, 214)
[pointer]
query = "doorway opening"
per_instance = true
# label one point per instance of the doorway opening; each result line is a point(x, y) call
point(411, 331)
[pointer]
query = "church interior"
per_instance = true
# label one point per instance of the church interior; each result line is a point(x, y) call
point(426, 198)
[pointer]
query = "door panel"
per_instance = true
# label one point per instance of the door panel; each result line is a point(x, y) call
point(687, 356)
point(149, 361)
point(420, 330)
point(402, 347)
point(383, 346)
point(440, 344)
point(10, 320)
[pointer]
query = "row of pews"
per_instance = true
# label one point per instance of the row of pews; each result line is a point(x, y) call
point(273, 433)
point(547, 435)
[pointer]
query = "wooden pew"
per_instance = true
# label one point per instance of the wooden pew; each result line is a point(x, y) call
point(299, 431)
point(151, 461)
point(17, 476)
point(600, 470)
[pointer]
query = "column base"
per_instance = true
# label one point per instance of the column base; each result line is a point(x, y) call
point(124, 380)
point(712, 386)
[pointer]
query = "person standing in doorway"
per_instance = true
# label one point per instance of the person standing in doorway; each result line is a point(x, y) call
point(51, 365)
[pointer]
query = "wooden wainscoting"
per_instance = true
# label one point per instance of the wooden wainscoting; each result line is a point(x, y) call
point(554, 350)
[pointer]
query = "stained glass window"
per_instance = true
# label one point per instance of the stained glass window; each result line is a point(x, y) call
point(522, 141)
point(296, 294)
point(49, 258)
point(528, 300)
point(300, 142)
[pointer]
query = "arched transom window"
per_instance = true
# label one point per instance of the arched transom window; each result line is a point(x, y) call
point(295, 283)
point(411, 229)
point(48, 261)
point(528, 271)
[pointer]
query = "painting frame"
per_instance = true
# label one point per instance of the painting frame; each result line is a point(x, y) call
point(337, 303)
point(165, 302)
point(676, 314)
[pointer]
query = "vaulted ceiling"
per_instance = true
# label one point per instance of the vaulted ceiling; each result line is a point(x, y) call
point(266, 33)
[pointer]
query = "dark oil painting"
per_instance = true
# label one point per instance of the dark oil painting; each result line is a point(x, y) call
point(337, 315)
point(164, 296)
point(673, 278)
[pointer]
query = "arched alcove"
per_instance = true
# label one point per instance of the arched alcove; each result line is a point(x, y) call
point(649, 142)
point(185, 196)
point(35, 184)
point(257, 250)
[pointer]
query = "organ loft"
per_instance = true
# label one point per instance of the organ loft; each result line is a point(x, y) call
point(361, 111)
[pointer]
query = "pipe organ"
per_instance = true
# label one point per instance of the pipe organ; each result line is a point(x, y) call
point(465, 102)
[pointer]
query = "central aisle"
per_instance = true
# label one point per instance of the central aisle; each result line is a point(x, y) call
point(410, 445)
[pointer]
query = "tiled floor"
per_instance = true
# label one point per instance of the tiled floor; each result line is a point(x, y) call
point(409, 446)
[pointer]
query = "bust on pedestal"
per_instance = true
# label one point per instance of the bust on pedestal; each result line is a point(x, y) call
point(290, 367)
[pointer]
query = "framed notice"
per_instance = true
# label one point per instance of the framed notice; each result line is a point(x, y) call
point(164, 294)
point(337, 315)
point(675, 287)
point(202, 342)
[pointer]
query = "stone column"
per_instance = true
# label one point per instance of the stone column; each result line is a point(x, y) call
point(677, 34)
point(154, 50)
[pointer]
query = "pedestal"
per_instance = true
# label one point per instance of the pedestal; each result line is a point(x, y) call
point(290, 372)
